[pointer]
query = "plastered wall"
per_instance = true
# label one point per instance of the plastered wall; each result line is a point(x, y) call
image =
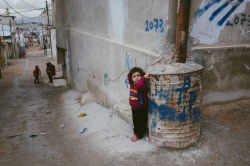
point(53, 45)
point(220, 41)
point(106, 38)
point(220, 21)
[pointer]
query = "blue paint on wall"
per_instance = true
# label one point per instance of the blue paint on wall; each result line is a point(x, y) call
point(127, 62)
point(230, 12)
point(216, 12)
point(242, 18)
point(130, 62)
point(208, 5)
point(211, 3)
point(156, 23)
point(127, 82)
point(229, 23)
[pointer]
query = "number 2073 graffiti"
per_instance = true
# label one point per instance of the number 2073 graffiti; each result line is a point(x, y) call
point(155, 24)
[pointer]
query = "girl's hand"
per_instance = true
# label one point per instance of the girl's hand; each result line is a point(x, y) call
point(147, 75)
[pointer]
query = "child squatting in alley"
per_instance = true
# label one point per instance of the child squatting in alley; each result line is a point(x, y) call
point(138, 100)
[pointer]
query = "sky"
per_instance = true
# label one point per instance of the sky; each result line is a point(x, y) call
point(22, 7)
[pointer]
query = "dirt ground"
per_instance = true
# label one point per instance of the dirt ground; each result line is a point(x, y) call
point(225, 134)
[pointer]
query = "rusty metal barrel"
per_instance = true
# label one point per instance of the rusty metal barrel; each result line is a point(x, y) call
point(175, 98)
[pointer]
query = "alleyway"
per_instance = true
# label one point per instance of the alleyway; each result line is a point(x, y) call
point(225, 138)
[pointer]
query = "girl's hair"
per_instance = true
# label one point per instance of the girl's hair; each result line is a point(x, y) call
point(134, 70)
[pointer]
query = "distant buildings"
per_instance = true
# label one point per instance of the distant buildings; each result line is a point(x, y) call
point(8, 44)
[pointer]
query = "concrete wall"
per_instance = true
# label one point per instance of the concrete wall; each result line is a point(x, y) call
point(53, 45)
point(44, 18)
point(9, 50)
point(105, 38)
point(124, 22)
point(220, 41)
point(3, 56)
point(219, 23)
point(53, 4)
point(61, 24)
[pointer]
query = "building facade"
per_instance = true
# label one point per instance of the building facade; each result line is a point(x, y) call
point(9, 48)
point(99, 41)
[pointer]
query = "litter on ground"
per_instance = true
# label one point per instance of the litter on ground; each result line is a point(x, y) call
point(33, 135)
point(83, 130)
point(82, 115)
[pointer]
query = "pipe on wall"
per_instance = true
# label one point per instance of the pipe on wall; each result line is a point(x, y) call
point(183, 12)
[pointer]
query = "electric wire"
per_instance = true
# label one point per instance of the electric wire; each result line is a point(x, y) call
point(39, 2)
point(28, 4)
point(29, 10)
point(18, 12)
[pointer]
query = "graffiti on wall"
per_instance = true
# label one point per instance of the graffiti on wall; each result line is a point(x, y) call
point(130, 63)
point(214, 15)
point(187, 97)
point(219, 9)
point(155, 24)
point(240, 19)
point(106, 79)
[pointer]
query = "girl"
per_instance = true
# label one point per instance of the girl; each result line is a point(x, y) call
point(138, 100)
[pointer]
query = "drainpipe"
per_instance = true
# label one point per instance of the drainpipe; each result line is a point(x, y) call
point(181, 36)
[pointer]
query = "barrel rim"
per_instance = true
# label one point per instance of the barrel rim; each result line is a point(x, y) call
point(197, 71)
point(191, 67)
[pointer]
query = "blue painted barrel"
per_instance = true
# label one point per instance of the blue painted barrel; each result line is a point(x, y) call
point(175, 98)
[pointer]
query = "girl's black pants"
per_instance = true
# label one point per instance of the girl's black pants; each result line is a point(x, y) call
point(140, 120)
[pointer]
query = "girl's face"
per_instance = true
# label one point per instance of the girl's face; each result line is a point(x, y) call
point(136, 77)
